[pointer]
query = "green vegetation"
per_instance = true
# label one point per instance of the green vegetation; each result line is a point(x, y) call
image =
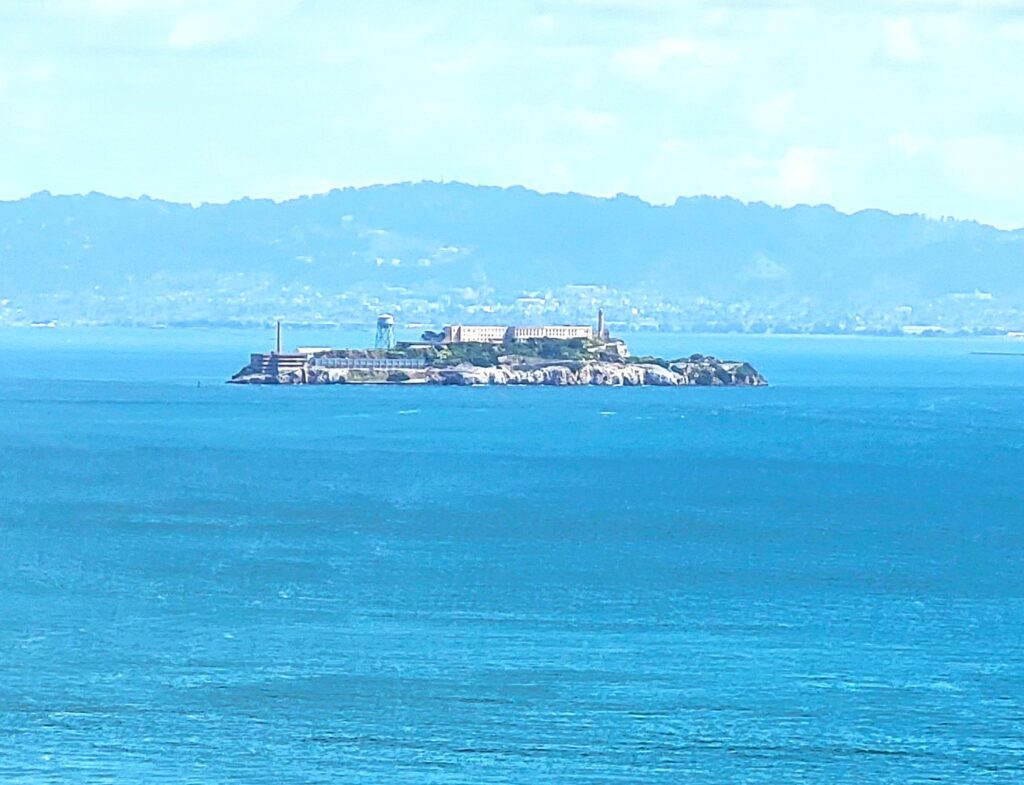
point(366, 376)
point(551, 348)
point(399, 353)
point(485, 355)
point(648, 359)
point(432, 337)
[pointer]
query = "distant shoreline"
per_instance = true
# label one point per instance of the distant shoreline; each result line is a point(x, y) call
point(361, 326)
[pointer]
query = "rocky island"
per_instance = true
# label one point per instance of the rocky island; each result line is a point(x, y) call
point(464, 355)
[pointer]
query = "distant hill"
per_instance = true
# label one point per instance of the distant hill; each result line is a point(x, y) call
point(96, 257)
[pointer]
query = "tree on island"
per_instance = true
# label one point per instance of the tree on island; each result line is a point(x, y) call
point(431, 337)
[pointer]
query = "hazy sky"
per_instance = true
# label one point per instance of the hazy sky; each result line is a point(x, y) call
point(908, 105)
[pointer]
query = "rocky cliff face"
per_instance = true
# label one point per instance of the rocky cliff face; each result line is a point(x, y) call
point(697, 370)
point(706, 372)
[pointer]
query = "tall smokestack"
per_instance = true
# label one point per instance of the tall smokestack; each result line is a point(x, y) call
point(600, 324)
point(278, 336)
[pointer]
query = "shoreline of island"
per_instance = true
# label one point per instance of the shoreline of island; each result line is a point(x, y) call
point(697, 370)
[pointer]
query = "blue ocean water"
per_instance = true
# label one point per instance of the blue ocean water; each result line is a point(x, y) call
point(821, 581)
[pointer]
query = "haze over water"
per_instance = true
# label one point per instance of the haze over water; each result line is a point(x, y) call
point(820, 581)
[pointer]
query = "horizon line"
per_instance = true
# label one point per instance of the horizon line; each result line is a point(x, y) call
point(515, 187)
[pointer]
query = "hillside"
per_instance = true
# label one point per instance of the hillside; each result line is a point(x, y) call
point(417, 248)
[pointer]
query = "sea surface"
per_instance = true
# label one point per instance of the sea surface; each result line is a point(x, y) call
point(817, 582)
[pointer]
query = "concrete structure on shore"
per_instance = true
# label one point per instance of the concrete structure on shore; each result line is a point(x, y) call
point(278, 363)
point(468, 333)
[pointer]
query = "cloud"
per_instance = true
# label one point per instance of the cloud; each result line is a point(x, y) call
point(774, 115)
point(194, 31)
point(1011, 6)
point(1015, 31)
point(899, 41)
point(200, 23)
point(908, 144)
point(544, 24)
point(32, 72)
point(164, 8)
point(646, 62)
point(80, 8)
point(591, 121)
point(803, 173)
point(986, 165)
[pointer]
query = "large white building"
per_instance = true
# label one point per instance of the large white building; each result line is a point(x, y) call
point(471, 333)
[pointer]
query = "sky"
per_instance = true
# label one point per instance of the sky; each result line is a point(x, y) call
point(906, 105)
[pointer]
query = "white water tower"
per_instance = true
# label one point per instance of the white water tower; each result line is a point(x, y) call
point(385, 332)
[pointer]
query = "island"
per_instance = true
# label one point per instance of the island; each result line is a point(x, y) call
point(466, 355)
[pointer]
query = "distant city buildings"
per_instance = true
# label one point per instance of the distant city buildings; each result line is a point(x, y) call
point(233, 301)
